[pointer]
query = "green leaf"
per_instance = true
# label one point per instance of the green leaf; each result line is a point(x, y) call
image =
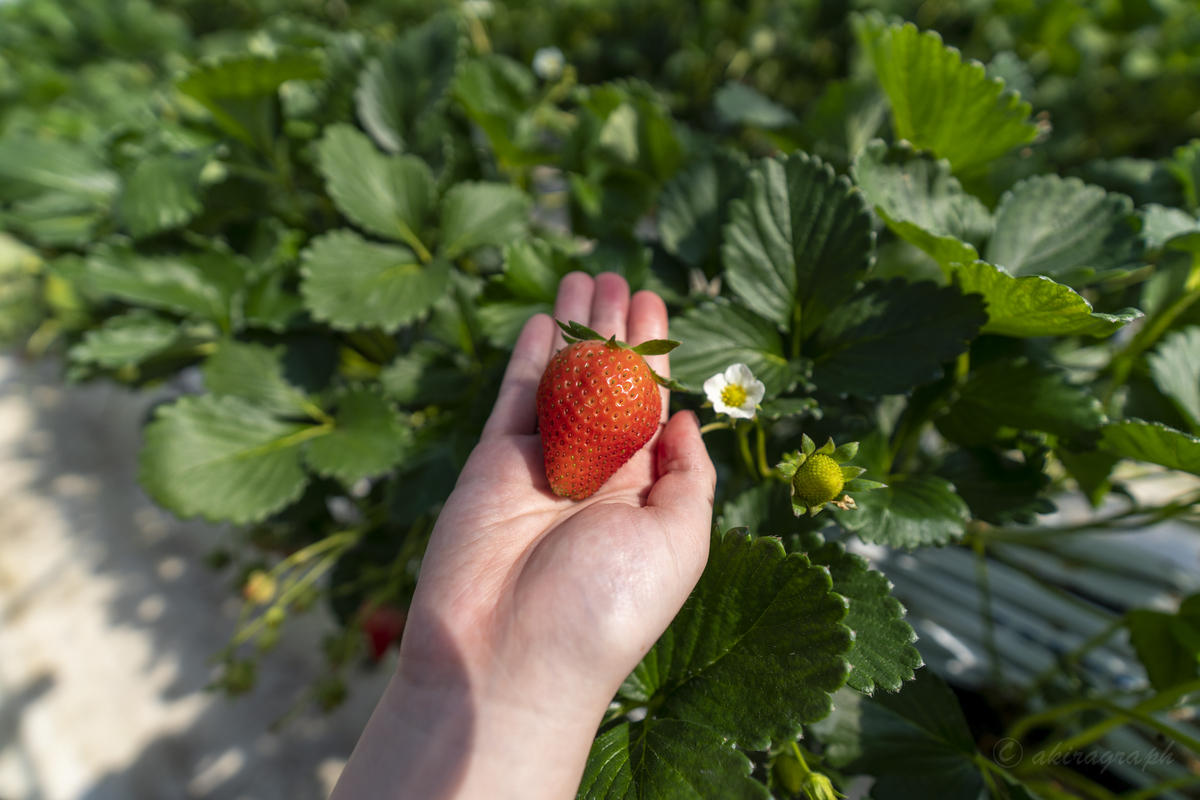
point(162, 194)
point(199, 285)
point(408, 82)
point(694, 207)
point(754, 651)
point(1168, 645)
point(787, 407)
point(1161, 224)
point(801, 237)
point(390, 196)
point(352, 283)
point(254, 373)
point(368, 438)
point(922, 202)
point(241, 90)
point(1034, 305)
point(1024, 395)
point(57, 166)
point(739, 104)
point(532, 271)
point(916, 743)
point(1175, 367)
point(716, 335)
point(1090, 469)
point(940, 102)
point(883, 654)
point(477, 214)
point(1063, 228)
point(125, 340)
point(496, 92)
point(667, 758)
point(999, 489)
point(1152, 442)
point(427, 375)
point(222, 458)
point(912, 511)
point(1186, 168)
point(892, 336)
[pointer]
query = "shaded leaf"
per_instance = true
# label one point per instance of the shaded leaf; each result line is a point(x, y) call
point(57, 166)
point(408, 81)
point(922, 202)
point(425, 375)
point(1168, 645)
point(716, 335)
point(695, 205)
point(892, 336)
point(241, 90)
point(916, 743)
point(477, 214)
point(1024, 395)
point(162, 194)
point(737, 103)
point(200, 285)
point(999, 489)
point(1175, 367)
point(368, 438)
point(125, 339)
point(254, 373)
point(1063, 228)
point(798, 242)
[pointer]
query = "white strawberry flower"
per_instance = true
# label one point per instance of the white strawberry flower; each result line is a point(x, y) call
point(735, 392)
point(548, 63)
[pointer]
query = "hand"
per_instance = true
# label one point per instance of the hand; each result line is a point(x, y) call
point(531, 608)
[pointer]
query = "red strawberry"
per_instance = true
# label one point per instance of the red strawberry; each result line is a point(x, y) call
point(382, 626)
point(598, 403)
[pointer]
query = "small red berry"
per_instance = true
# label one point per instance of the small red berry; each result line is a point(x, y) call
point(382, 626)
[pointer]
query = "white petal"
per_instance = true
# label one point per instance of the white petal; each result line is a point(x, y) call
point(755, 392)
point(742, 412)
point(713, 388)
point(739, 374)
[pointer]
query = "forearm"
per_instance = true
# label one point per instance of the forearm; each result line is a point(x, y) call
point(448, 739)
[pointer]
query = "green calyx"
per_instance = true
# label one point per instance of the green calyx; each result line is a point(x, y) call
point(819, 477)
point(574, 332)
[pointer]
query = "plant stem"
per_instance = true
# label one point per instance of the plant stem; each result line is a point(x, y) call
point(761, 441)
point(1071, 658)
point(715, 426)
point(985, 609)
point(1159, 789)
point(744, 447)
point(1145, 338)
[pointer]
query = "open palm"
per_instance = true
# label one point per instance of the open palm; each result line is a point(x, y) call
point(549, 586)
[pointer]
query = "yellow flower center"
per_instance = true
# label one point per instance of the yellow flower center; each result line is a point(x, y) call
point(733, 395)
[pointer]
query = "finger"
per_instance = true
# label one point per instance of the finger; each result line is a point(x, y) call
point(648, 320)
point(515, 412)
point(686, 479)
point(610, 305)
point(574, 302)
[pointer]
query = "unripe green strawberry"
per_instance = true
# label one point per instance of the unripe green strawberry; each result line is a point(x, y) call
point(818, 480)
point(597, 405)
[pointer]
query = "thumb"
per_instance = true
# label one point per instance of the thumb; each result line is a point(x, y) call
point(686, 478)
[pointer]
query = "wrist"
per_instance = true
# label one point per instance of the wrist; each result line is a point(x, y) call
point(448, 730)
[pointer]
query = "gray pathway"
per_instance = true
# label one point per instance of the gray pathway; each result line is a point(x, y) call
point(108, 618)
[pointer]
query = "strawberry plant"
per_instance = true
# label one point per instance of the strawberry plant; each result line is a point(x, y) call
point(959, 244)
